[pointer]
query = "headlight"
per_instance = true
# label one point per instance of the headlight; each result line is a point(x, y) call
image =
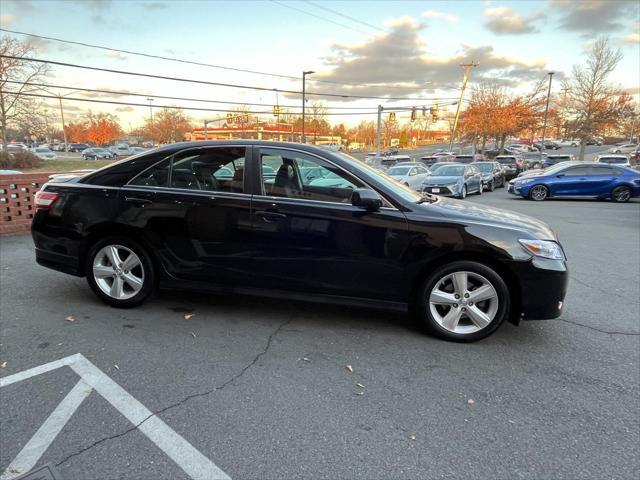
point(525, 180)
point(543, 248)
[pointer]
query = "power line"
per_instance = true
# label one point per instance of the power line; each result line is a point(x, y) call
point(210, 65)
point(185, 99)
point(344, 15)
point(204, 82)
point(319, 17)
point(173, 107)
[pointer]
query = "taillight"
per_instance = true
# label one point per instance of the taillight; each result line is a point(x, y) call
point(45, 200)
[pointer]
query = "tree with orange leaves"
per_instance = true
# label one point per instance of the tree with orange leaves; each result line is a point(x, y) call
point(76, 132)
point(102, 128)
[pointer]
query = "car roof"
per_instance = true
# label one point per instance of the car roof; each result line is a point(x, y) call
point(408, 164)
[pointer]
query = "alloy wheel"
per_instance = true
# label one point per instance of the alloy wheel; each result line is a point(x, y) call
point(118, 272)
point(621, 194)
point(463, 195)
point(463, 302)
point(539, 193)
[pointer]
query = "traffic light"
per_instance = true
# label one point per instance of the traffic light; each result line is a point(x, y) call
point(434, 112)
point(392, 117)
point(413, 114)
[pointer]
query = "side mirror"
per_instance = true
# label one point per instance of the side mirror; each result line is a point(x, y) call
point(366, 199)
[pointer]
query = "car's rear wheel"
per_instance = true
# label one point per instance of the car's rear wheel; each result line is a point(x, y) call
point(120, 272)
point(538, 193)
point(463, 301)
point(621, 194)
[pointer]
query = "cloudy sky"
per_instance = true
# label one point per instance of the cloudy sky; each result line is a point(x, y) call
point(361, 48)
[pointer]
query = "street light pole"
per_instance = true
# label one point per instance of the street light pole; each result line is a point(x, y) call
point(379, 130)
point(64, 132)
point(467, 73)
point(304, 75)
point(546, 112)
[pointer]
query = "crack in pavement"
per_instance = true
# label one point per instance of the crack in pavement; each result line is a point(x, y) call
point(609, 332)
point(582, 282)
point(185, 399)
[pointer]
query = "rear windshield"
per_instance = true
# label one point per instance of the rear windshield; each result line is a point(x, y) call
point(399, 170)
point(506, 159)
point(484, 167)
point(613, 160)
point(464, 159)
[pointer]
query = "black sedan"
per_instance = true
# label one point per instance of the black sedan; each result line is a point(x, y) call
point(169, 219)
point(492, 175)
point(96, 153)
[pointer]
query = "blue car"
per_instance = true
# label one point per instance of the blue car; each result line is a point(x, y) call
point(579, 180)
point(454, 180)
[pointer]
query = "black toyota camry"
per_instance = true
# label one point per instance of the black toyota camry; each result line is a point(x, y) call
point(296, 221)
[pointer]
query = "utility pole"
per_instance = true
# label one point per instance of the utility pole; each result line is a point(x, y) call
point(380, 108)
point(633, 126)
point(465, 78)
point(304, 75)
point(546, 112)
point(151, 118)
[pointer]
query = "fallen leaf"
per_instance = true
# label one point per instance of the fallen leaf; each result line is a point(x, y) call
point(349, 367)
point(412, 436)
point(116, 366)
point(193, 334)
point(306, 359)
point(3, 364)
point(70, 318)
point(359, 385)
point(359, 393)
point(59, 344)
point(189, 316)
point(471, 401)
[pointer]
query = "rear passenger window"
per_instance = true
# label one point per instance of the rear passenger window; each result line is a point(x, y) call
point(217, 169)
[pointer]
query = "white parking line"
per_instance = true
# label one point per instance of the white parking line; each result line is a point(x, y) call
point(46, 434)
point(194, 463)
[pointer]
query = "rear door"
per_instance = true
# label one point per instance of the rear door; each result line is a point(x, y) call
point(309, 238)
point(602, 179)
point(194, 209)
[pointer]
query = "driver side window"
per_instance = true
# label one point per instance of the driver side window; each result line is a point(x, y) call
point(293, 174)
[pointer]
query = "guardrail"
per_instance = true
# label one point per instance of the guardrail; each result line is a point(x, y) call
point(17, 201)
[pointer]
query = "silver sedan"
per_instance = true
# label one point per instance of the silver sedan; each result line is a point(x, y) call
point(410, 174)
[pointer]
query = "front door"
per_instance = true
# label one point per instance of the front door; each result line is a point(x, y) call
point(572, 181)
point(195, 211)
point(308, 236)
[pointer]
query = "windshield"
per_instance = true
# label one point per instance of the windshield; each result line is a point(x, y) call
point(42, 150)
point(450, 171)
point(506, 159)
point(99, 150)
point(406, 193)
point(484, 167)
point(399, 171)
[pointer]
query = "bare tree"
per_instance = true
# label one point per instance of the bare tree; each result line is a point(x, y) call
point(15, 107)
point(592, 101)
point(241, 116)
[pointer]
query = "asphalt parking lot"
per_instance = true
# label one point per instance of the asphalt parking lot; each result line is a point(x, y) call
point(261, 388)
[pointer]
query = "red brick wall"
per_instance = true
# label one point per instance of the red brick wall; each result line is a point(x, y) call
point(16, 201)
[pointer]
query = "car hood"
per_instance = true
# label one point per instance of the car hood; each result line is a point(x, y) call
point(475, 213)
point(398, 177)
point(440, 180)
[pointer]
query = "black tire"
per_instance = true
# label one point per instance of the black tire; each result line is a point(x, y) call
point(621, 194)
point(480, 189)
point(149, 275)
point(423, 312)
point(463, 193)
point(541, 196)
point(492, 186)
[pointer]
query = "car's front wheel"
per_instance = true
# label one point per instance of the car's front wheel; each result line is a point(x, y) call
point(463, 192)
point(120, 272)
point(538, 193)
point(492, 186)
point(621, 194)
point(463, 301)
point(480, 188)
